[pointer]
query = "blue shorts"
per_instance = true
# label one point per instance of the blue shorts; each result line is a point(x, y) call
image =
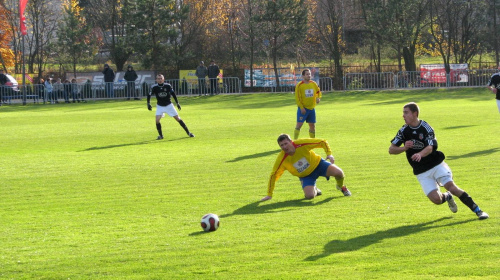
point(309, 116)
point(310, 180)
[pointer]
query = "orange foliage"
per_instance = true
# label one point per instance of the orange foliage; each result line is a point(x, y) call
point(5, 39)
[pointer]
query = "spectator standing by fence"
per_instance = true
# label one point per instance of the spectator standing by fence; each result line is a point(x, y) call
point(3, 81)
point(67, 91)
point(213, 75)
point(201, 73)
point(40, 89)
point(109, 79)
point(77, 95)
point(49, 88)
point(58, 89)
point(494, 87)
point(130, 77)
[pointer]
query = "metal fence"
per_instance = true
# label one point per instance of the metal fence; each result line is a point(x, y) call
point(417, 79)
point(325, 84)
point(91, 91)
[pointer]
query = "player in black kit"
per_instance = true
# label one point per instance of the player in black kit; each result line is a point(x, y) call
point(494, 87)
point(420, 145)
point(163, 91)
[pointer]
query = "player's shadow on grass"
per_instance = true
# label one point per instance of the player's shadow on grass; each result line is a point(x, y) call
point(357, 243)
point(266, 207)
point(130, 144)
point(255, 208)
point(263, 154)
point(475, 154)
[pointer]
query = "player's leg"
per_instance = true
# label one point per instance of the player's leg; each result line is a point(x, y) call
point(309, 185)
point(312, 130)
point(300, 121)
point(183, 125)
point(498, 105)
point(296, 132)
point(311, 120)
point(158, 127)
point(310, 191)
point(338, 174)
point(431, 189)
point(466, 199)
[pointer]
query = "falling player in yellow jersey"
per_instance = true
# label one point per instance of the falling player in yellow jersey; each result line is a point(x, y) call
point(307, 95)
point(300, 160)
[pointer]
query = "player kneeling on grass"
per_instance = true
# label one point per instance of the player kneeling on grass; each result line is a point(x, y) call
point(299, 159)
point(163, 91)
point(420, 145)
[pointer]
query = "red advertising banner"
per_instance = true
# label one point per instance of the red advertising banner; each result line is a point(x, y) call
point(435, 73)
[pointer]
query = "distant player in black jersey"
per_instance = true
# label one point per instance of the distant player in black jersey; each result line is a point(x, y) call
point(163, 92)
point(420, 145)
point(494, 86)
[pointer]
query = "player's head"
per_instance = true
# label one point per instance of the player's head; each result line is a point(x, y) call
point(286, 144)
point(410, 112)
point(160, 79)
point(306, 74)
point(284, 136)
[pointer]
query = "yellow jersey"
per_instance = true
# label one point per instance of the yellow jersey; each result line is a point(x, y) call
point(301, 163)
point(306, 94)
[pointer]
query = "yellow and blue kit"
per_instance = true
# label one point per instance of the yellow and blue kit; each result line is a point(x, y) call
point(301, 163)
point(306, 94)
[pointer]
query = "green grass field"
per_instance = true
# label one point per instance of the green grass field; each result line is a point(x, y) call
point(88, 193)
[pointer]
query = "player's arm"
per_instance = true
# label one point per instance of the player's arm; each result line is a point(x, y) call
point(318, 94)
point(149, 99)
point(395, 150)
point(397, 141)
point(430, 145)
point(425, 152)
point(492, 89)
point(278, 170)
point(298, 98)
point(175, 98)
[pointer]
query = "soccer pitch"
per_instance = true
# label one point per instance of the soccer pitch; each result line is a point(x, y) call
point(88, 193)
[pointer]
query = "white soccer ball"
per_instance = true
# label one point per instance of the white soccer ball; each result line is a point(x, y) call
point(210, 222)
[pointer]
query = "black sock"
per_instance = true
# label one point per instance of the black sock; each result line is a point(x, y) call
point(158, 127)
point(445, 197)
point(181, 122)
point(467, 200)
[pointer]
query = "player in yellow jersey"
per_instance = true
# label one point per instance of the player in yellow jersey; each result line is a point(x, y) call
point(307, 95)
point(300, 160)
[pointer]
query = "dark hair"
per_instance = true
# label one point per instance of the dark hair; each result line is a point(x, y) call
point(413, 107)
point(284, 136)
point(304, 71)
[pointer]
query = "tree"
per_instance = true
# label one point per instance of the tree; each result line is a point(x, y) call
point(283, 23)
point(42, 18)
point(75, 38)
point(156, 19)
point(115, 20)
point(327, 23)
point(6, 54)
point(456, 27)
